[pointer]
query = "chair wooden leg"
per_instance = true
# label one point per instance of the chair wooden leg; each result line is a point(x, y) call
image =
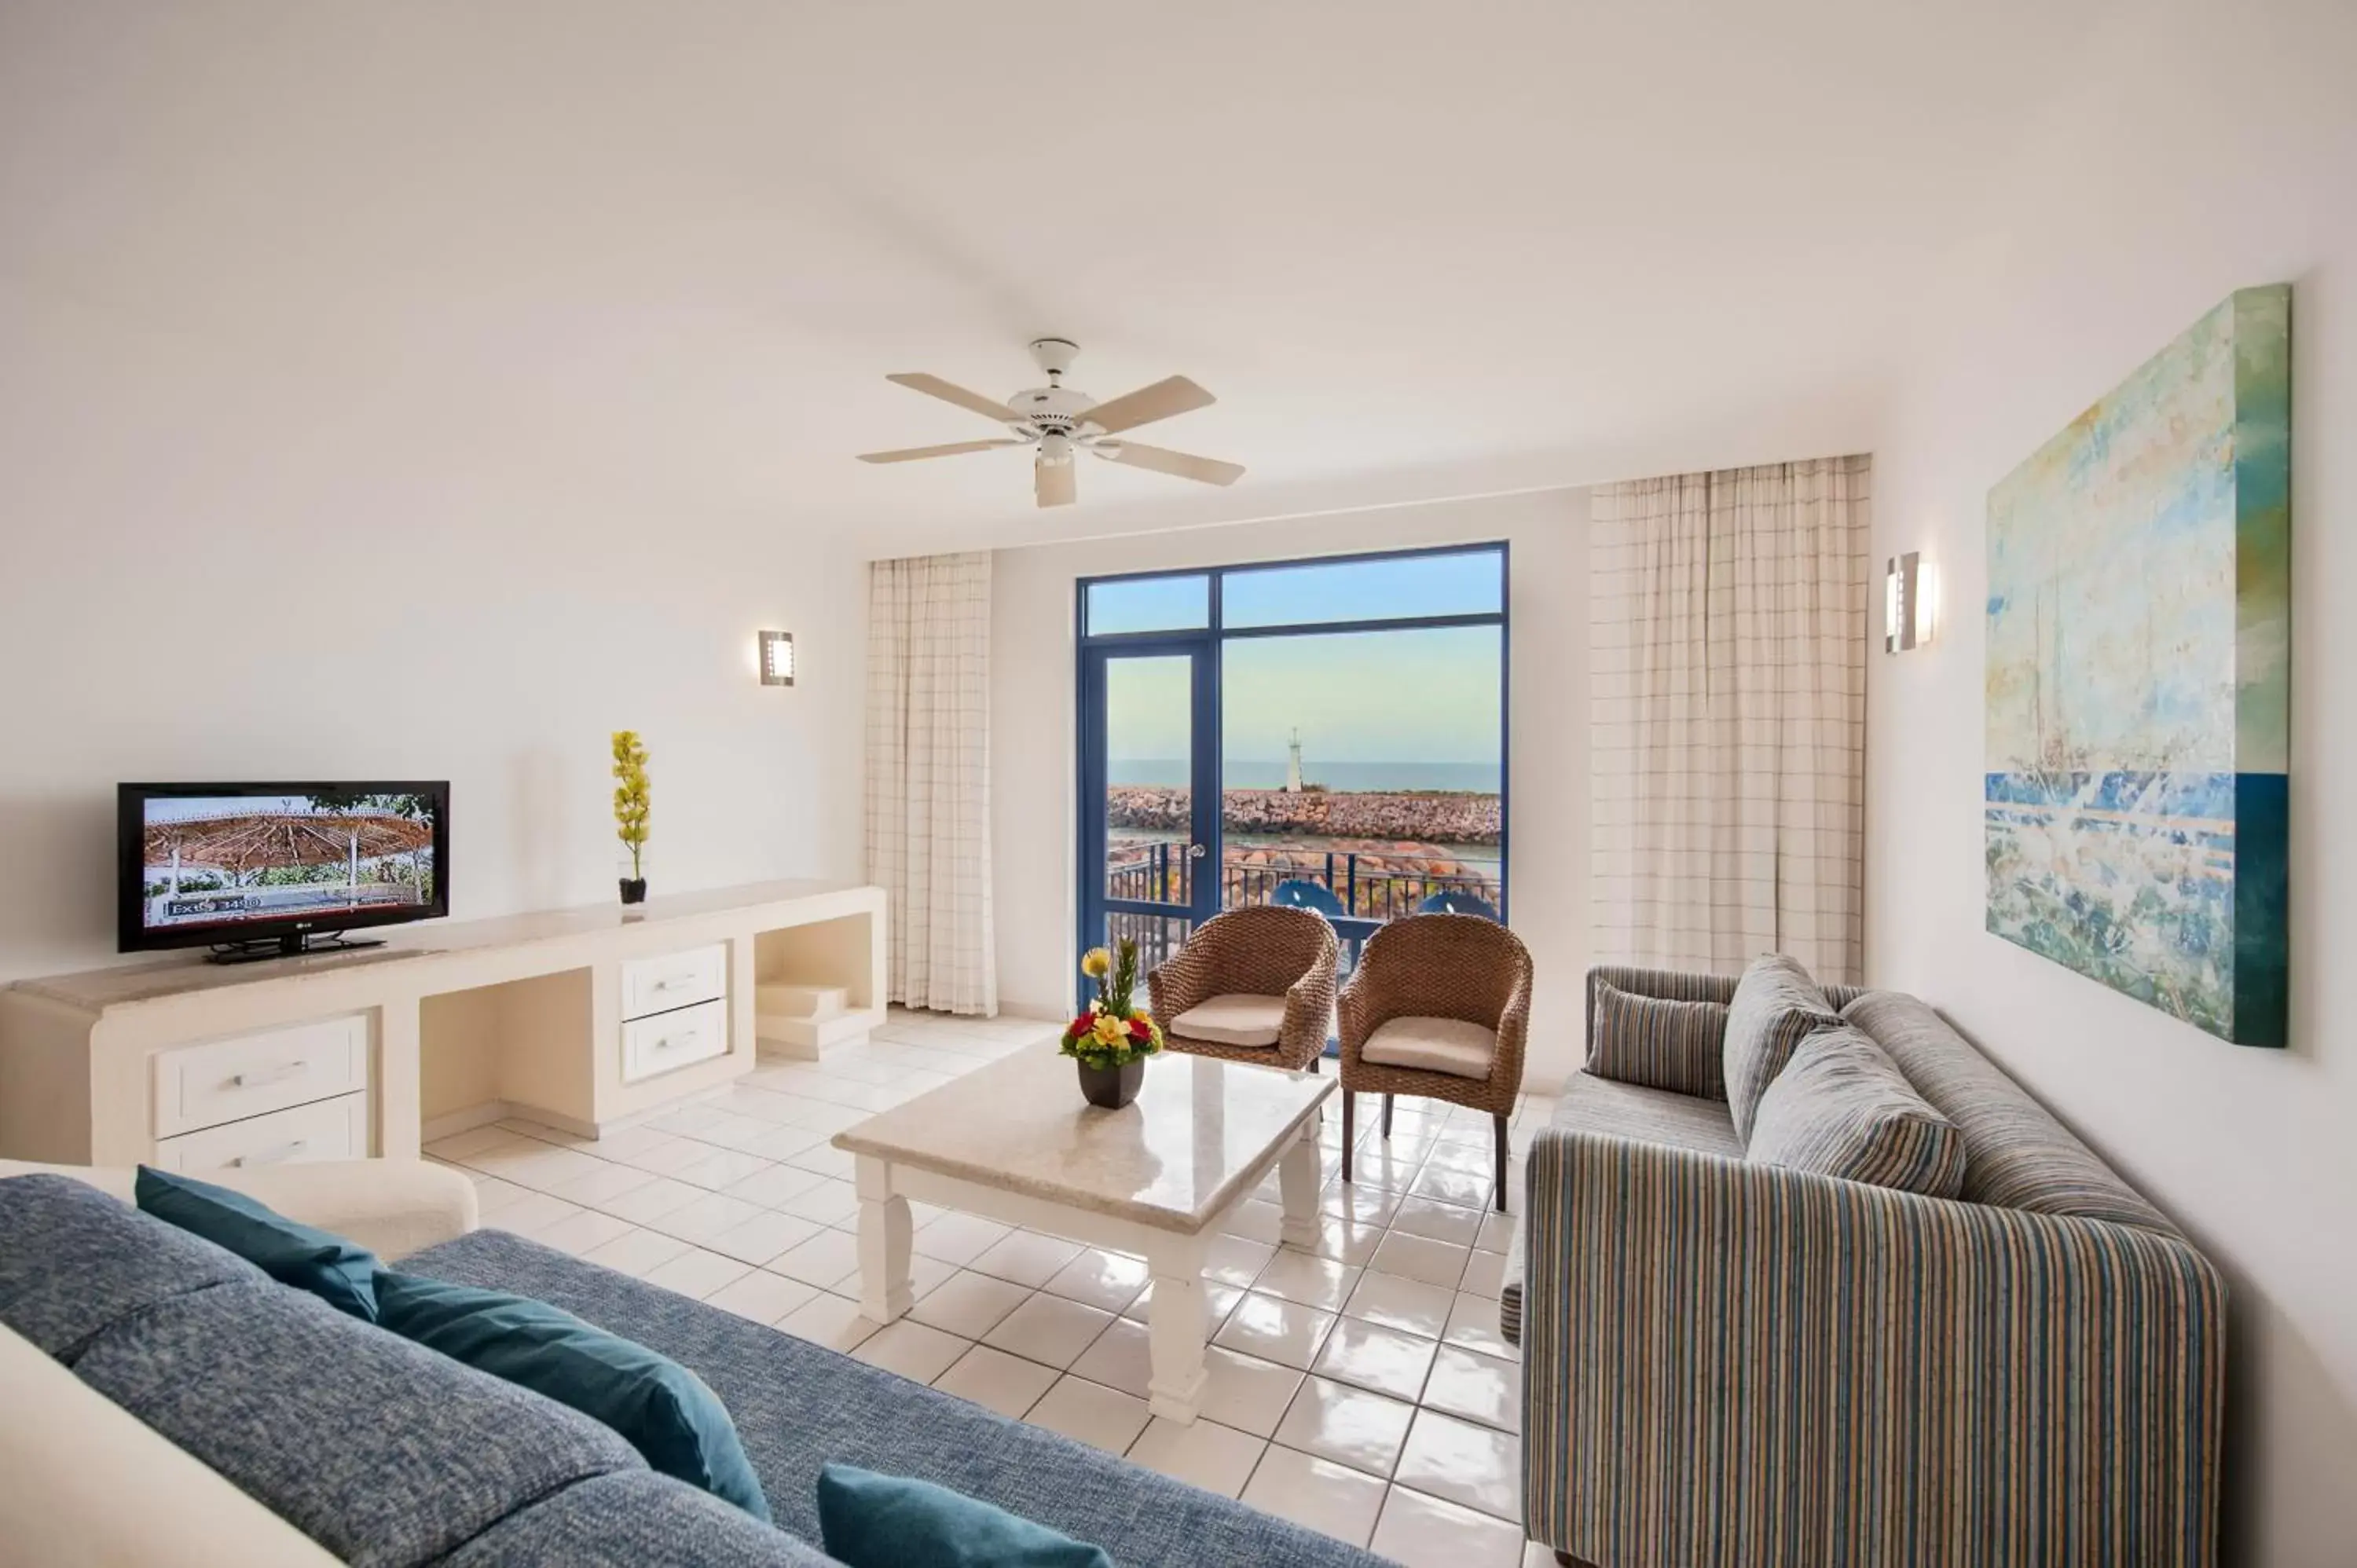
point(1318, 1062)
point(1387, 1117)
point(1350, 1136)
point(1500, 1124)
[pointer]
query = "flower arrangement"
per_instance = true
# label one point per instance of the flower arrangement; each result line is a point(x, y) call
point(632, 807)
point(1114, 1031)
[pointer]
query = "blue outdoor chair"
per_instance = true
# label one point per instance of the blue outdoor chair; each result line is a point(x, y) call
point(1296, 894)
point(1457, 904)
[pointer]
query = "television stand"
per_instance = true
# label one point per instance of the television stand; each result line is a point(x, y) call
point(291, 946)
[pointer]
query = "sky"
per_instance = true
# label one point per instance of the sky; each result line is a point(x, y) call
point(1417, 695)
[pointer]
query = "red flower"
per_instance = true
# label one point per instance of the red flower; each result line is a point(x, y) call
point(1139, 1029)
point(1083, 1025)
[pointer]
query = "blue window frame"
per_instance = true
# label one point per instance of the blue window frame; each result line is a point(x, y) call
point(1174, 874)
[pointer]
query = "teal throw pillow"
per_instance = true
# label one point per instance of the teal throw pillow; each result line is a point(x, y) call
point(660, 1408)
point(290, 1253)
point(867, 1520)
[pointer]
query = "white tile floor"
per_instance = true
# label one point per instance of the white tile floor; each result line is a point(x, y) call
point(1361, 1389)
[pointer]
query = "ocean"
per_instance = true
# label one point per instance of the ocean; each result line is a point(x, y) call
point(1471, 778)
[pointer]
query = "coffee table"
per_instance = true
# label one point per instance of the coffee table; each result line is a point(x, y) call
point(1016, 1143)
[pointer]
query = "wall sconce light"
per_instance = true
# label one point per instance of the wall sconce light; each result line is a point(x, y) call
point(777, 659)
point(1907, 598)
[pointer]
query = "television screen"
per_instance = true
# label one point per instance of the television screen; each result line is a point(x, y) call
point(252, 863)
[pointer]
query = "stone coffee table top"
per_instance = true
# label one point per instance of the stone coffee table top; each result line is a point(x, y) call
point(1175, 1158)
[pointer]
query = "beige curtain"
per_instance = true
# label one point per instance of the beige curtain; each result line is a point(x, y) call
point(1728, 660)
point(928, 778)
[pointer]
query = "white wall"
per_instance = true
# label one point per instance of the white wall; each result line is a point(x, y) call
point(2219, 150)
point(1032, 741)
point(214, 565)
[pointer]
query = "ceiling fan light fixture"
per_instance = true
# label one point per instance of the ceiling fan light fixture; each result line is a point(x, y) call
point(1058, 421)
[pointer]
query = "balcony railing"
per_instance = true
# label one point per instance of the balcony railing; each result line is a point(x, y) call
point(1369, 893)
point(1160, 873)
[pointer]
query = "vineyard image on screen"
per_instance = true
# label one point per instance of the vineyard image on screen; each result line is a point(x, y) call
point(225, 860)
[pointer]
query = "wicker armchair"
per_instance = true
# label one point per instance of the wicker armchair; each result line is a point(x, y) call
point(1263, 951)
point(1435, 976)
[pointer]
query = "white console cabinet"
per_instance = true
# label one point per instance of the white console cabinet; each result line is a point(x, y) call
point(583, 1019)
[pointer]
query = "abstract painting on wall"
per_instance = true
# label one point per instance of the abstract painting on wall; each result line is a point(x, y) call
point(2139, 617)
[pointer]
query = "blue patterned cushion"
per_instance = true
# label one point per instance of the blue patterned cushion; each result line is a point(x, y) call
point(634, 1519)
point(292, 1253)
point(659, 1406)
point(1775, 1008)
point(1842, 1108)
point(386, 1454)
point(799, 1406)
point(889, 1521)
point(73, 1259)
point(1656, 1042)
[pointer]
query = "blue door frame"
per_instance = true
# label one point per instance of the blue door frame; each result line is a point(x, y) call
point(1203, 767)
point(1204, 884)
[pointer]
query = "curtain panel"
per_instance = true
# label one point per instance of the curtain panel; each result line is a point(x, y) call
point(1728, 658)
point(928, 778)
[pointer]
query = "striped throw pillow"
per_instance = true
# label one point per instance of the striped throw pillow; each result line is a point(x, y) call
point(1776, 1006)
point(1657, 1043)
point(1842, 1108)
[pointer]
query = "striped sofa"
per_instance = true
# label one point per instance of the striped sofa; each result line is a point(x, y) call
point(1729, 1362)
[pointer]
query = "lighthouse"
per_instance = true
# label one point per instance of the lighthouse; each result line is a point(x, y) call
point(1293, 766)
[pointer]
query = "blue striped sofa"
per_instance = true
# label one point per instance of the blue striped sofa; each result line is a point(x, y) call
point(1731, 1362)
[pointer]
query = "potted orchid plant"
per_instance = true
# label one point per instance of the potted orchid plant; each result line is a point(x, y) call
point(1112, 1040)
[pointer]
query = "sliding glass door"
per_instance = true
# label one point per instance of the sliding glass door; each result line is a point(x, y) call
point(1329, 734)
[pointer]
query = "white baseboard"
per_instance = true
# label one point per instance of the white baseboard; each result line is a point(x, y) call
point(491, 1110)
point(466, 1121)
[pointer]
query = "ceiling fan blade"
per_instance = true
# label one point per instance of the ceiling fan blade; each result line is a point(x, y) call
point(1186, 464)
point(907, 454)
point(933, 386)
point(1173, 394)
point(1055, 484)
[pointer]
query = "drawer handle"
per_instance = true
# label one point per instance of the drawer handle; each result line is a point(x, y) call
point(667, 1041)
point(673, 982)
point(268, 1076)
point(278, 1155)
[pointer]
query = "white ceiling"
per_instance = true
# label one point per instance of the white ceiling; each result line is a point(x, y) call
point(1416, 249)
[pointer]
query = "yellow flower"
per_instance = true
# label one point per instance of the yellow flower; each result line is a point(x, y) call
point(1111, 1032)
point(1096, 964)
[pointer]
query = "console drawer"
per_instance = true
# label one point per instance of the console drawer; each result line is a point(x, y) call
point(334, 1129)
point(228, 1081)
point(652, 985)
point(673, 1040)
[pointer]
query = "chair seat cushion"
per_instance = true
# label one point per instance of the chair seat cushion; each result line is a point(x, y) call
point(1433, 1045)
point(1235, 1019)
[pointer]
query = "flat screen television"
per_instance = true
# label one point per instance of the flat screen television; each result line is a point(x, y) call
point(262, 870)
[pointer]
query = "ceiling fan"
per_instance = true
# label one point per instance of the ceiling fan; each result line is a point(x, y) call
point(1058, 423)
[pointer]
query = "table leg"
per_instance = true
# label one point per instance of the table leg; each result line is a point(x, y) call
point(1298, 1183)
point(884, 1232)
point(1178, 1321)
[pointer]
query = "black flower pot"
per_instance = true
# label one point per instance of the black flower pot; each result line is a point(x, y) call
point(634, 889)
point(1112, 1087)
